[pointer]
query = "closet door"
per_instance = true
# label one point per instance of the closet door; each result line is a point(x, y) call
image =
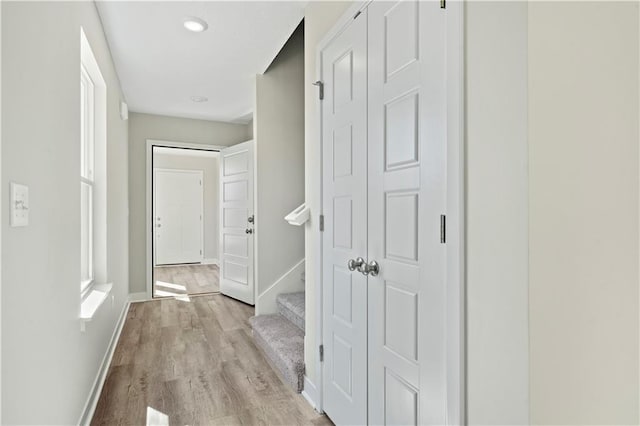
point(406, 196)
point(344, 139)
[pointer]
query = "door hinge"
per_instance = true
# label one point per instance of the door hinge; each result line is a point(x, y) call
point(321, 223)
point(200, 252)
point(320, 85)
point(443, 4)
point(321, 350)
point(443, 229)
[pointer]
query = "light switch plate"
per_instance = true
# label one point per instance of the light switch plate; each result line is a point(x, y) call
point(19, 205)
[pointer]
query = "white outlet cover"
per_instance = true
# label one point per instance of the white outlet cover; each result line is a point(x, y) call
point(19, 205)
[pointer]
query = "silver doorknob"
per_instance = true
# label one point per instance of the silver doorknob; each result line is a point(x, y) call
point(355, 264)
point(248, 231)
point(372, 268)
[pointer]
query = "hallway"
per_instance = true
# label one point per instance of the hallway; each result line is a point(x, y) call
point(195, 362)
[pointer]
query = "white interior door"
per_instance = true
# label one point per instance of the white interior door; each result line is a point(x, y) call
point(384, 191)
point(407, 172)
point(237, 230)
point(178, 216)
point(344, 136)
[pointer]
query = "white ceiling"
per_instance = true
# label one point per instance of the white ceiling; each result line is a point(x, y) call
point(161, 65)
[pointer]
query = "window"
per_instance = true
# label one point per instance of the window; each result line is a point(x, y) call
point(87, 183)
point(93, 183)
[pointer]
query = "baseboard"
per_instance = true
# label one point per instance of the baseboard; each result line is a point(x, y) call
point(210, 262)
point(96, 389)
point(289, 282)
point(138, 297)
point(310, 393)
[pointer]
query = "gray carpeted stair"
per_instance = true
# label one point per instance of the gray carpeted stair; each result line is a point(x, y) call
point(291, 306)
point(283, 343)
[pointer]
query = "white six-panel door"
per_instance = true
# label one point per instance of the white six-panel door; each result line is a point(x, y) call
point(344, 139)
point(384, 168)
point(178, 216)
point(236, 228)
point(406, 187)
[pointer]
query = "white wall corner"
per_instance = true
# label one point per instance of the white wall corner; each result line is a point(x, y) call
point(290, 282)
point(310, 393)
point(138, 297)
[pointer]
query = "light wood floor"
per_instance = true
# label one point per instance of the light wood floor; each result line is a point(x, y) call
point(185, 279)
point(194, 362)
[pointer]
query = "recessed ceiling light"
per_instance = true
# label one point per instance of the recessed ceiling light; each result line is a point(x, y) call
point(196, 25)
point(199, 99)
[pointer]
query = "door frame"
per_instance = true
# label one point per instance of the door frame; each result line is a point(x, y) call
point(456, 409)
point(151, 143)
point(200, 173)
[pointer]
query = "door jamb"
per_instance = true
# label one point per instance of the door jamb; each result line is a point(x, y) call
point(456, 309)
point(150, 144)
point(153, 206)
point(456, 410)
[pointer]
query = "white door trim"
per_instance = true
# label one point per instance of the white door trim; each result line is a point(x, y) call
point(149, 198)
point(1, 211)
point(456, 350)
point(200, 173)
point(456, 213)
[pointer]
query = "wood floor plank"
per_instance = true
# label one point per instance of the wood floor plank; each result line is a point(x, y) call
point(193, 361)
point(177, 280)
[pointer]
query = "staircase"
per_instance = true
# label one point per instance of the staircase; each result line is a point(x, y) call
point(281, 338)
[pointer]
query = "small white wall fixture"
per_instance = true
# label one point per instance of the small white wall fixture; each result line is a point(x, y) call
point(299, 216)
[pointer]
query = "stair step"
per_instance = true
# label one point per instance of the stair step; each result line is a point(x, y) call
point(283, 344)
point(291, 306)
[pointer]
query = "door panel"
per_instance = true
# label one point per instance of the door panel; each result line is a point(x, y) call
point(344, 133)
point(406, 196)
point(236, 245)
point(383, 192)
point(178, 216)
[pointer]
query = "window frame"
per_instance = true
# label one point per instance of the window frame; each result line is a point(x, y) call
point(87, 175)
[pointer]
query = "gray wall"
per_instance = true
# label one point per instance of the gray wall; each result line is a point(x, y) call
point(583, 157)
point(147, 126)
point(250, 130)
point(210, 188)
point(48, 364)
point(497, 209)
point(279, 124)
point(552, 212)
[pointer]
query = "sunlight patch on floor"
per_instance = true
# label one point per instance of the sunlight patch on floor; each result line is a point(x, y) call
point(156, 418)
point(179, 296)
point(171, 285)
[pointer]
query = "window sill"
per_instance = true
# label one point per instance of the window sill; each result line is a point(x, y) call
point(94, 299)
